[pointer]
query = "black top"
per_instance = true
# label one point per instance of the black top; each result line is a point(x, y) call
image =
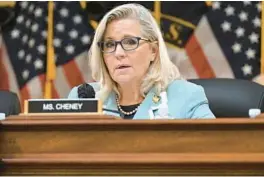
point(128, 109)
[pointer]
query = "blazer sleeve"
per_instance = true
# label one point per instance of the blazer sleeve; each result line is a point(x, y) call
point(198, 106)
point(73, 93)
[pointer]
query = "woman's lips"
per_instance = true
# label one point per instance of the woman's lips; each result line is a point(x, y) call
point(123, 66)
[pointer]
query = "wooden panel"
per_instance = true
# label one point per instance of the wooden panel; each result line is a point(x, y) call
point(135, 164)
point(111, 136)
point(101, 146)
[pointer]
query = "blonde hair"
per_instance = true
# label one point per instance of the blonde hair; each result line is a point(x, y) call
point(161, 71)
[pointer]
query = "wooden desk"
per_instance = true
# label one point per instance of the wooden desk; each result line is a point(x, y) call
point(81, 145)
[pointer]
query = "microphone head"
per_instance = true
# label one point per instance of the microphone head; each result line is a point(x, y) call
point(86, 91)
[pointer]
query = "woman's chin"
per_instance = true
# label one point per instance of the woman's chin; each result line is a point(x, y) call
point(123, 79)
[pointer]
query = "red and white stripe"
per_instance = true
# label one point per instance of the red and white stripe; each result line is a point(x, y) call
point(71, 74)
point(203, 57)
point(7, 76)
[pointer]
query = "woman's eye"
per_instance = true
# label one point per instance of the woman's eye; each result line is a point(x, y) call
point(109, 44)
point(130, 41)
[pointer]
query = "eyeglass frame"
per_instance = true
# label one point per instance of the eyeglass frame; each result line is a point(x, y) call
point(120, 42)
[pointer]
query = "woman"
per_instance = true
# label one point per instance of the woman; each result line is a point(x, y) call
point(136, 78)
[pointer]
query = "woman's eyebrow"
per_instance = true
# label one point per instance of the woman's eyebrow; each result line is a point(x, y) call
point(108, 38)
point(129, 35)
point(125, 36)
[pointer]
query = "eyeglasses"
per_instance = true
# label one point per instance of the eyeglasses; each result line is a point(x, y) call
point(128, 44)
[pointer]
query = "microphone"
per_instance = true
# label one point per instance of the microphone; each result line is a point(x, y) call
point(86, 91)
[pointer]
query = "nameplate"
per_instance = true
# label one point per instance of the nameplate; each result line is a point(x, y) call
point(62, 106)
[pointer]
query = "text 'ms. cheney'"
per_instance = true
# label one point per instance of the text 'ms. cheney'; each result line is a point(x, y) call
point(62, 106)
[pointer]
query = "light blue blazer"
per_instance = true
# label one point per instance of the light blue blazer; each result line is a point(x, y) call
point(182, 100)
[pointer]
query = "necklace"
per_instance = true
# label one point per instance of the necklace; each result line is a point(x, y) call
point(124, 112)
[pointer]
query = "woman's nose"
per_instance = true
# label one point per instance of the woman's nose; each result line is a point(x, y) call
point(119, 52)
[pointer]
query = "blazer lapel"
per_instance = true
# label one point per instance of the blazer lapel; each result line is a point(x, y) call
point(110, 106)
point(147, 106)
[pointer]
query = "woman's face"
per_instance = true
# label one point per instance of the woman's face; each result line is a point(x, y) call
point(127, 66)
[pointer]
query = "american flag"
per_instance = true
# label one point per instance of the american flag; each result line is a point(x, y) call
point(23, 49)
point(225, 43)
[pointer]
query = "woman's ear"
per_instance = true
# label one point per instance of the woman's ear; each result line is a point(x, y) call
point(154, 51)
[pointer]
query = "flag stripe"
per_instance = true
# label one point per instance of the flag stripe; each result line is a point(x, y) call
point(181, 60)
point(24, 95)
point(12, 81)
point(34, 88)
point(55, 93)
point(83, 65)
point(198, 59)
point(212, 50)
point(73, 73)
point(61, 83)
point(187, 70)
point(4, 84)
point(42, 78)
